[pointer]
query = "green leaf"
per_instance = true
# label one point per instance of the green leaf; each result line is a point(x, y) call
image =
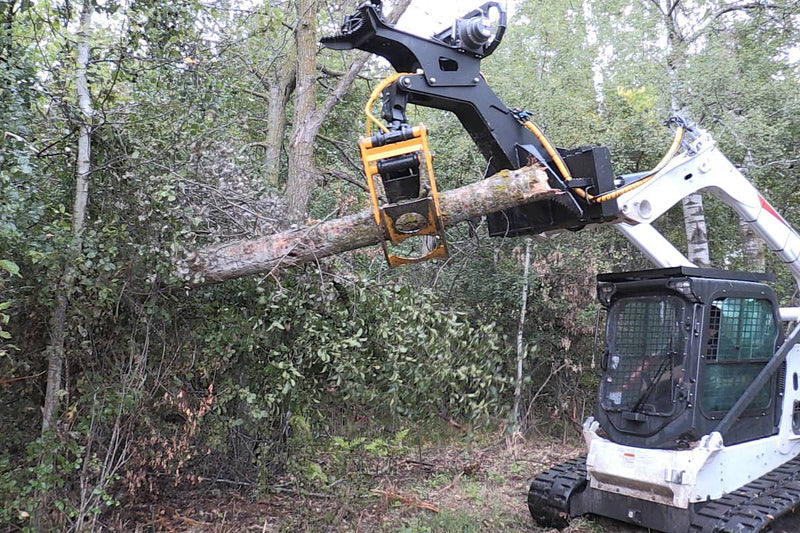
point(10, 267)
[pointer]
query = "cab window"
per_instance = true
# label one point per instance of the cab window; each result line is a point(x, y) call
point(740, 340)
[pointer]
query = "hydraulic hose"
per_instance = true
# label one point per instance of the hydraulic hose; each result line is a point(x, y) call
point(676, 143)
point(376, 92)
point(553, 153)
point(565, 173)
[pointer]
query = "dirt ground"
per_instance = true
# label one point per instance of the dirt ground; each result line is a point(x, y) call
point(456, 486)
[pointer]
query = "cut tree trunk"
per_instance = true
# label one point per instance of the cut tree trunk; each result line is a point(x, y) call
point(264, 255)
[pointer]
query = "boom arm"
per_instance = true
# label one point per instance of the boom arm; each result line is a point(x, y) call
point(703, 167)
point(444, 73)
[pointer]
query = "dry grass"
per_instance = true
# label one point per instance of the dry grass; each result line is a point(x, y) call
point(457, 486)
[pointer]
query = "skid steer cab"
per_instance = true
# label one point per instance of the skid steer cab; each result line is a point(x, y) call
point(697, 424)
point(681, 346)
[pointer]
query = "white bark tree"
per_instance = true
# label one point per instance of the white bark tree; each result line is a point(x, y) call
point(521, 346)
point(58, 321)
point(685, 25)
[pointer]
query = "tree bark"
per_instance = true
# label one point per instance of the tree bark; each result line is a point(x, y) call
point(279, 91)
point(266, 254)
point(753, 253)
point(755, 259)
point(58, 322)
point(694, 219)
point(301, 173)
point(308, 118)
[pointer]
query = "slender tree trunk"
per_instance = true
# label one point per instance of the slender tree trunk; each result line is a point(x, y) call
point(279, 91)
point(523, 308)
point(593, 47)
point(694, 218)
point(276, 123)
point(694, 221)
point(58, 322)
point(301, 175)
point(752, 246)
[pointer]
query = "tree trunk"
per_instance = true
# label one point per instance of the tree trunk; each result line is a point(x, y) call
point(266, 254)
point(307, 117)
point(279, 90)
point(523, 308)
point(58, 323)
point(694, 221)
point(300, 177)
point(694, 218)
point(752, 248)
point(753, 253)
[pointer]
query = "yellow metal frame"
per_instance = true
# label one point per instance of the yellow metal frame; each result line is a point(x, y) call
point(370, 156)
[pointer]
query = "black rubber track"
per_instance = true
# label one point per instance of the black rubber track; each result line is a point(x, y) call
point(548, 497)
point(755, 507)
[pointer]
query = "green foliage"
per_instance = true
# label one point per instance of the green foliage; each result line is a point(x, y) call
point(47, 468)
point(6, 363)
point(310, 347)
point(306, 346)
point(313, 371)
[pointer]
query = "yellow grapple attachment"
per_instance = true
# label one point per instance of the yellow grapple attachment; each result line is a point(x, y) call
point(399, 171)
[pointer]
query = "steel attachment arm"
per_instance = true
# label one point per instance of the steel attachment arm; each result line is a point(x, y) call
point(702, 167)
point(443, 72)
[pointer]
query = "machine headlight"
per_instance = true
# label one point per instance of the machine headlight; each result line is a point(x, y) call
point(684, 286)
point(604, 293)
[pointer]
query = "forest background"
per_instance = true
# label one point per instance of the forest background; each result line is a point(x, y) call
point(137, 131)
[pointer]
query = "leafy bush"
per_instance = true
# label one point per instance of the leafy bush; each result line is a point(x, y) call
point(312, 347)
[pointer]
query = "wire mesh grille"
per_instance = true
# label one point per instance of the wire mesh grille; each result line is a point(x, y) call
point(646, 331)
point(741, 338)
point(740, 329)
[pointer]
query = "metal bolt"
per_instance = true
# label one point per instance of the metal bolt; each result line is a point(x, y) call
point(476, 79)
point(433, 80)
point(406, 81)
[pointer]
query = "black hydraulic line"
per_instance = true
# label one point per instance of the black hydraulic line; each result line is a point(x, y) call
point(759, 382)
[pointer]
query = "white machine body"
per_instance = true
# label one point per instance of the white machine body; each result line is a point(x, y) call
point(702, 167)
point(710, 469)
point(705, 472)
